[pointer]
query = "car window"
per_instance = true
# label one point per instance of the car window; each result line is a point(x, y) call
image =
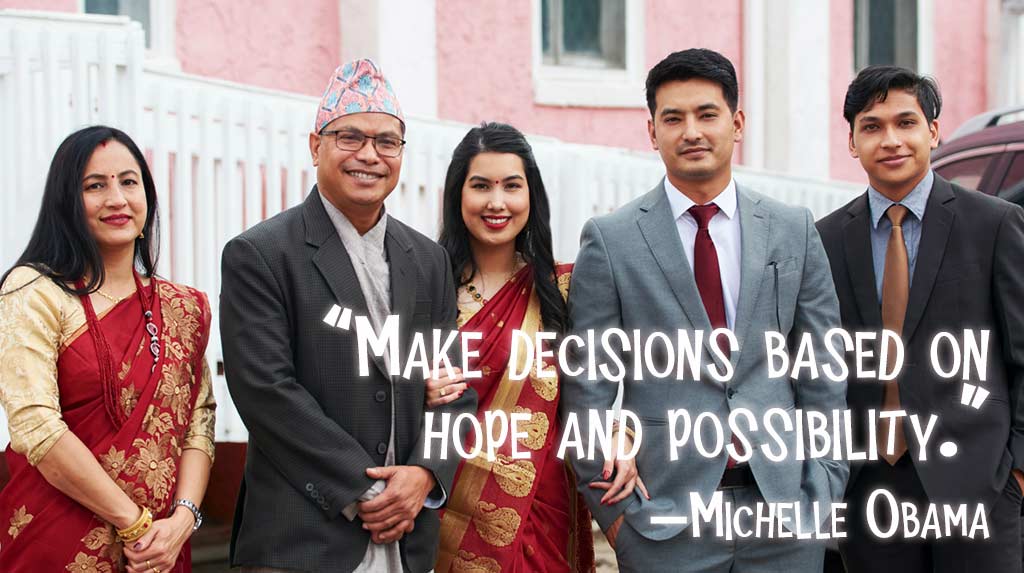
point(1014, 178)
point(966, 172)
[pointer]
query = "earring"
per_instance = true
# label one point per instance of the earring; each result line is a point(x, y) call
point(142, 235)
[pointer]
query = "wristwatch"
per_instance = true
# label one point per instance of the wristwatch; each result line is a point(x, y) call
point(198, 515)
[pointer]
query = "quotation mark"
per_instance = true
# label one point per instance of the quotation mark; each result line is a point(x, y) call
point(338, 317)
point(973, 396)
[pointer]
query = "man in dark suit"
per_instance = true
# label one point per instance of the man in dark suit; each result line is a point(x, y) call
point(918, 255)
point(336, 478)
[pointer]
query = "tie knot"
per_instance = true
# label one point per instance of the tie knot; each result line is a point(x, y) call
point(703, 214)
point(896, 213)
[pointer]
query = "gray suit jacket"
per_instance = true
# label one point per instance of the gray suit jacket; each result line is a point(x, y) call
point(632, 273)
point(314, 424)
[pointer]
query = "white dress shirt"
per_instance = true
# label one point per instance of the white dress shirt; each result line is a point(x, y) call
point(725, 233)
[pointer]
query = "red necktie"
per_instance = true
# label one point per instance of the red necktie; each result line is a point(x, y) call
point(709, 281)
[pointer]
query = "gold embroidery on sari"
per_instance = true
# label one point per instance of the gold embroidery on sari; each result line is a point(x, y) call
point(563, 284)
point(468, 562)
point(157, 422)
point(536, 428)
point(546, 388)
point(515, 477)
point(129, 399)
point(19, 520)
point(88, 564)
point(180, 311)
point(113, 462)
point(102, 539)
point(154, 464)
point(497, 526)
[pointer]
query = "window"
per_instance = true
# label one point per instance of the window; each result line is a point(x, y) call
point(157, 18)
point(1013, 181)
point(588, 53)
point(584, 33)
point(885, 32)
point(137, 10)
point(966, 172)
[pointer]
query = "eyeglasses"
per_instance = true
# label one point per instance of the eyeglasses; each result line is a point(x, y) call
point(385, 145)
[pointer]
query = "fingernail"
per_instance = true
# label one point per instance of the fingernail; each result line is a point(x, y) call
point(137, 546)
point(607, 474)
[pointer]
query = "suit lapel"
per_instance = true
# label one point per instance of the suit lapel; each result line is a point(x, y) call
point(754, 228)
point(332, 261)
point(935, 229)
point(662, 236)
point(859, 263)
point(403, 279)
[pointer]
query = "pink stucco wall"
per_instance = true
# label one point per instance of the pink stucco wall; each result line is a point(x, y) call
point(54, 5)
point(960, 61)
point(262, 42)
point(473, 86)
point(841, 165)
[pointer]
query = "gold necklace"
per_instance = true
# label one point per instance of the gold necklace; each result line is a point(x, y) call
point(478, 296)
point(113, 300)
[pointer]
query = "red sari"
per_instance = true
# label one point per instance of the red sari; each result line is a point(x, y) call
point(134, 428)
point(515, 515)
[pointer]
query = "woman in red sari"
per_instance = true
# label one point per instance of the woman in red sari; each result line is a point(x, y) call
point(510, 515)
point(102, 377)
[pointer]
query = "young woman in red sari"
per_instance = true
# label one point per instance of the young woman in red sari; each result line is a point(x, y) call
point(510, 515)
point(102, 377)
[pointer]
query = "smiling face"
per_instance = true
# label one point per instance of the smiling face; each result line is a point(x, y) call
point(495, 199)
point(114, 197)
point(694, 131)
point(893, 141)
point(356, 182)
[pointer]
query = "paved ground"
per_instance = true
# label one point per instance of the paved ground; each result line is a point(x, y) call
point(604, 554)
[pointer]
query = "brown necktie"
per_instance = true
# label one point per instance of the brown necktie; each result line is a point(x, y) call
point(895, 293)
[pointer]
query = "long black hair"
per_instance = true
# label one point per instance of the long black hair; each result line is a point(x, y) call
point(533, 242)
point(61, 246)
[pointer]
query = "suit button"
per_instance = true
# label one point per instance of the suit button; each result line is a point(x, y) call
point(382, 448)
point(325, 507)
point(321, 500)
point(380, 396)
point(730, 393)
point(313, 494)
point(309, 487)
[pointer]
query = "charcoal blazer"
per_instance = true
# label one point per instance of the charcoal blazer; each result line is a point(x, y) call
point(968, 275)
point(314, 424)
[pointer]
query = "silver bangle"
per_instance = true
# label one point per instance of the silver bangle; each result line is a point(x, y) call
point(187, 504)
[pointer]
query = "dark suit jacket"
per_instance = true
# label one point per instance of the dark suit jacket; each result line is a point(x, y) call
point(969, 275)
point(314, 425)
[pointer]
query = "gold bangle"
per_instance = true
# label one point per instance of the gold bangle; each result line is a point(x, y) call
point(616, 426)
point(137, 529)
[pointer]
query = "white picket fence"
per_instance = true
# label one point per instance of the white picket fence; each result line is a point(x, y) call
point(226, 156)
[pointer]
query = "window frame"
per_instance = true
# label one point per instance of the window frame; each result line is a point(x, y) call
point(922, 45)
point(561, 85)
point(995, 154)
point(162, 52)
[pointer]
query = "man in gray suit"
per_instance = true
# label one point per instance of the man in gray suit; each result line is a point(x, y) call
point(695, 253)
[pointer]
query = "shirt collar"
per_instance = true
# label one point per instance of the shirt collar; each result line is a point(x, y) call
point(726, 200)
point(374, 238)
point(915, 201)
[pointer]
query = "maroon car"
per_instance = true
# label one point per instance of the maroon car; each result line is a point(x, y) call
point(986, 153)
